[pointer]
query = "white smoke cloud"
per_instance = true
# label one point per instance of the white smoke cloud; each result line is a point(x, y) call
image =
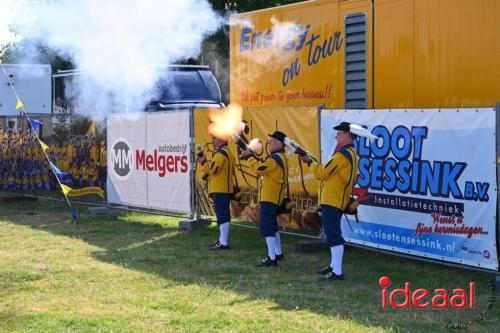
point(233, 19)
point(254, 64)
point(10, 10)
point(119, 45)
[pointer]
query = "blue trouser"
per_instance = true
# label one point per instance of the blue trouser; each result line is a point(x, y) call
point(330, 218)
point(268, 225)
point(222, 202)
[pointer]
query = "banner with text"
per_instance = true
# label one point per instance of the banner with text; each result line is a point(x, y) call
point(149, 160)
point(427, 186)
point(259, 122)
point(288, 56)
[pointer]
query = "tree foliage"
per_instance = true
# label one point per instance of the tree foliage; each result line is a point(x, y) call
point(62, 127)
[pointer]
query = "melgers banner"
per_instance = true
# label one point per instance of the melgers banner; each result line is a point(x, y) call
point(427, 186)
point(259, 122)
point(149, 160)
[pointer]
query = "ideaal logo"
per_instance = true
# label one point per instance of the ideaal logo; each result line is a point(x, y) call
point(460, 299)
point(121, 158)
point(440, 299)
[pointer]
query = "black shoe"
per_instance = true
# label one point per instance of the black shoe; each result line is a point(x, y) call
point(325, 270)
point(332, 276)
point(280, 257)
point(268, 262)
point(219, 246)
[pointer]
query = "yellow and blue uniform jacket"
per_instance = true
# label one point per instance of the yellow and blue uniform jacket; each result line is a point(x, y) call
point(274, 176)
point(102, 157)
point(94, 154)
point(337, 177)
point(221, 171)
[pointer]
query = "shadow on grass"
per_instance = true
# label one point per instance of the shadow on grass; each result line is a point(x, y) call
point(154, 245)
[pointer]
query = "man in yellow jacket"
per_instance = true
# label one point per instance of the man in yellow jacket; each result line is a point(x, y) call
point(220, 171)
point(337, 178)
point(273, 172)
point(102, 164)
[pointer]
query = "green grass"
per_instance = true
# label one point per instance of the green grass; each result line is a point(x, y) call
point(134, 272)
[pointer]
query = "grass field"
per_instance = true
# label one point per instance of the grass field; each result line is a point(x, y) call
point(135, 272)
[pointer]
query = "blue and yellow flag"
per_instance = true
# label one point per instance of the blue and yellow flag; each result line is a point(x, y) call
point(35, 123)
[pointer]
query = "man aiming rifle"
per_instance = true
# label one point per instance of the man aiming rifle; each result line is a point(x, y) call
point(220, 172)
point(337, 179)
point(273, 171)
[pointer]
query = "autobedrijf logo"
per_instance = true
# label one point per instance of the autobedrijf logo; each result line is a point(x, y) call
point(121, 157)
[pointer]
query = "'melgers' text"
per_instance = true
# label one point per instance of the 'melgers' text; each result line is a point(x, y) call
point(160, 163)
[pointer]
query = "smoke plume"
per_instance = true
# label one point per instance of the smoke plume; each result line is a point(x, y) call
point(119, 46)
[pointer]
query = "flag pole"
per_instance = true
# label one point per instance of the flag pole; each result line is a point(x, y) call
point(20, 106)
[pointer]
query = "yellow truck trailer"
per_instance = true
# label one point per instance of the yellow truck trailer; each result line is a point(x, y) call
point(368, 54)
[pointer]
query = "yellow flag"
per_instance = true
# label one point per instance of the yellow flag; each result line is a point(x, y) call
point(66, 189)
point(44, 146)
point(19, 104)
point(92, 129)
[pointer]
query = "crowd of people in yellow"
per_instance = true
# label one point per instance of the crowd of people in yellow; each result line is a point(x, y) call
point(80, 161)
